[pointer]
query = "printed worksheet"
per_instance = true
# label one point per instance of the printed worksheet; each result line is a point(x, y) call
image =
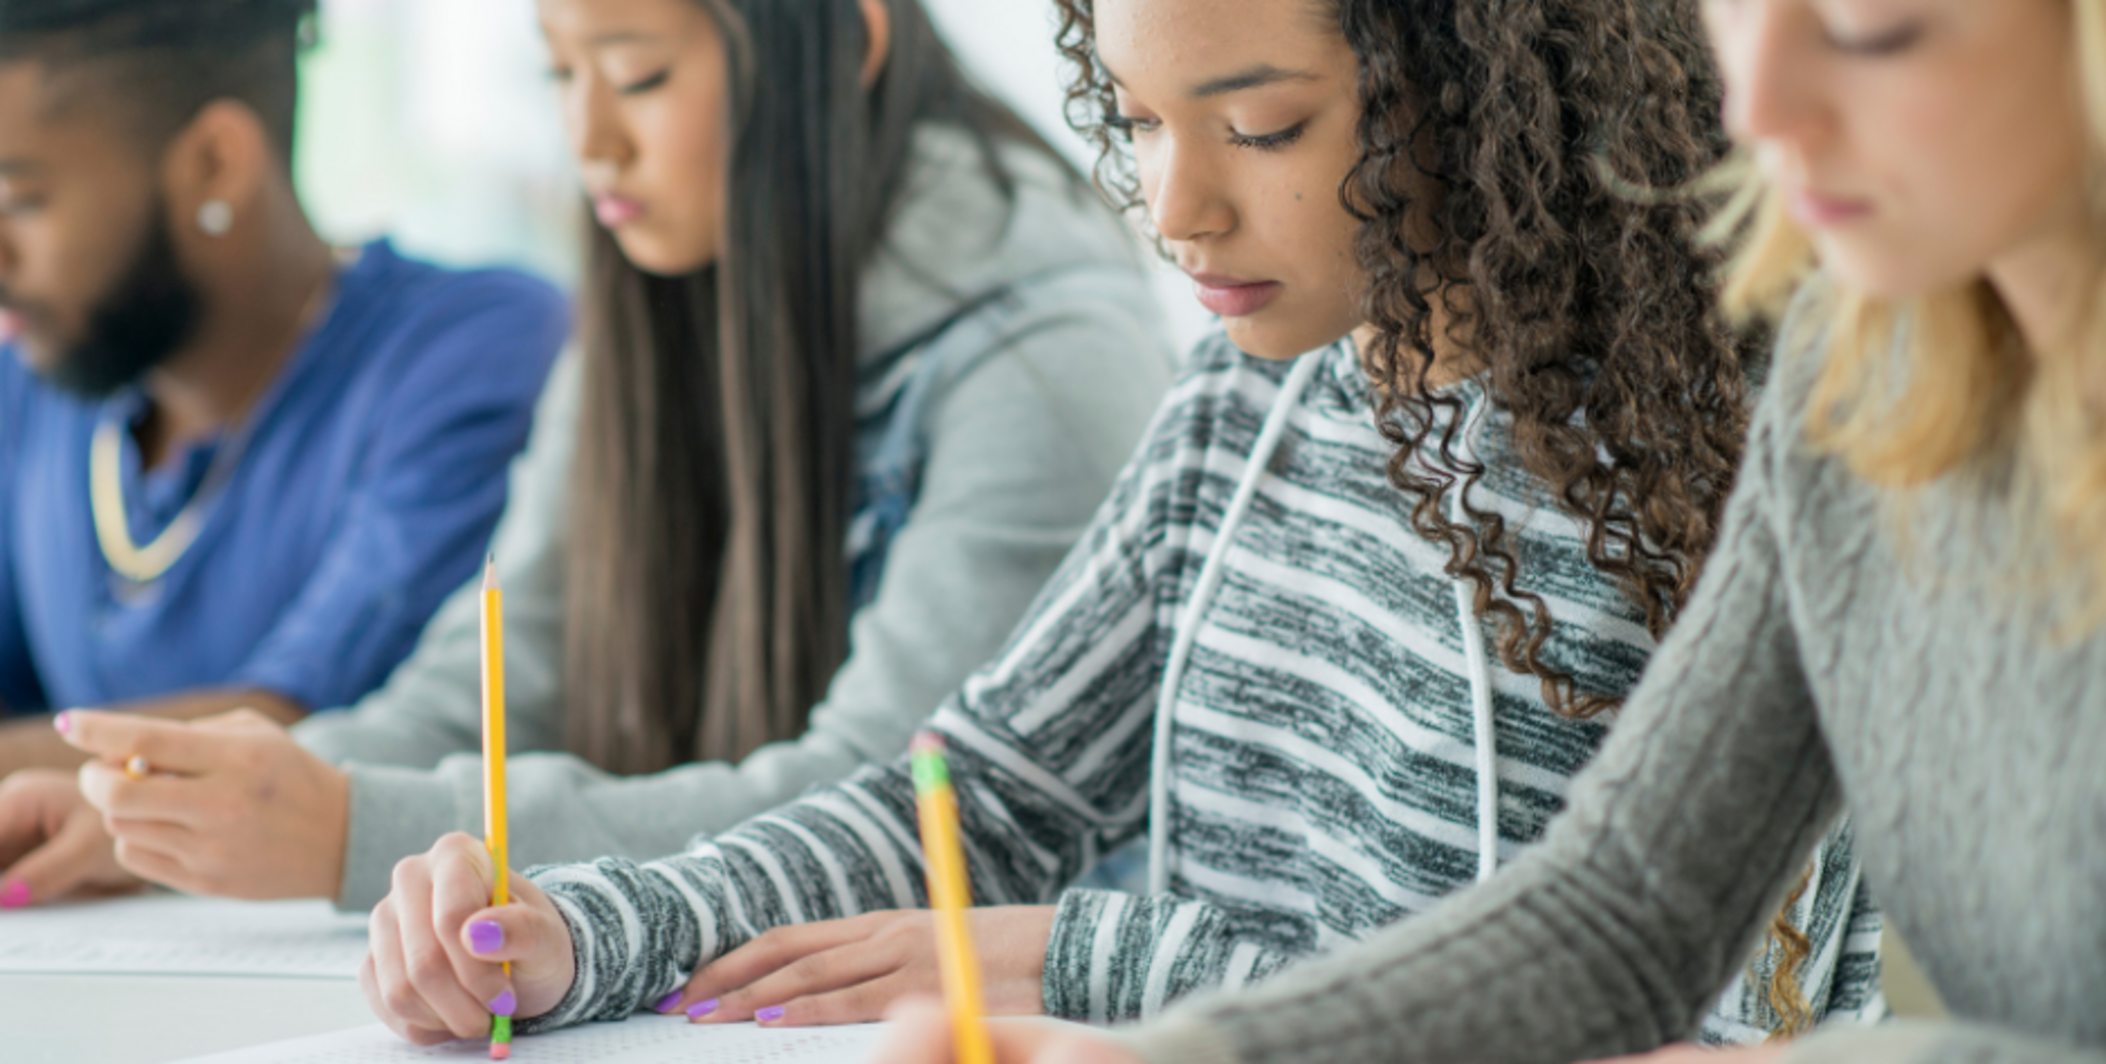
point(160, 933)
point(641, 1039)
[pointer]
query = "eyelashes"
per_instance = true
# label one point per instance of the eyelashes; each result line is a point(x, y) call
point(1124, 127)
point(562, 76)
point(1271, 141)
point(1893, 42)
point(638, 88)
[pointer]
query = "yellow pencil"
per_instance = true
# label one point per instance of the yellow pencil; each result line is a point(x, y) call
point(949, 896)
point(494, 768)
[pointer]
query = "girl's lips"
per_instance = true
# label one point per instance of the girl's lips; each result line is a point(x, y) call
point(1232, 299)
point(613, 211)
point(1822, 212)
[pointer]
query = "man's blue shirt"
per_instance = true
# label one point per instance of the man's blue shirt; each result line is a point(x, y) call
point(373, 474)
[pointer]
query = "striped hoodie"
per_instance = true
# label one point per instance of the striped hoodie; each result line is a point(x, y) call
point(1323, 772)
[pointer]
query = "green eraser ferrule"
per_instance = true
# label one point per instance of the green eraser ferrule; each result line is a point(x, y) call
point(929, 771)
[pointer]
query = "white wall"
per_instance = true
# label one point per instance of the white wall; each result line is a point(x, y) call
point(432, 121)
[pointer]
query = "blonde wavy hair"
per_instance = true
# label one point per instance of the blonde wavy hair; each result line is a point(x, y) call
point(1913, 390)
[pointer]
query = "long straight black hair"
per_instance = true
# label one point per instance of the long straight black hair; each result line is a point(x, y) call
point(706, 586)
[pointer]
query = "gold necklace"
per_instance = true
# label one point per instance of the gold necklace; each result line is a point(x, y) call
point(140, 565)
point(113, 529)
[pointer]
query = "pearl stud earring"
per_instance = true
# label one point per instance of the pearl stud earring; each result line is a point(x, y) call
point(216, 218)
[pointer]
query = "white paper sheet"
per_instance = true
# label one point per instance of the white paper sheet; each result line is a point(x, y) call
point(170, 934)
point(641, 1039)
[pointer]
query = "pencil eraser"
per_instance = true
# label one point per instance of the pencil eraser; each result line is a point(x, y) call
point(500, 1051)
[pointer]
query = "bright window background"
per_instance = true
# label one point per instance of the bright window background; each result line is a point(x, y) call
point(432, 122)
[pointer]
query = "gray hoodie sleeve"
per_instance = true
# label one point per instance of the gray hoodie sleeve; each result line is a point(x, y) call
point(1023, 445)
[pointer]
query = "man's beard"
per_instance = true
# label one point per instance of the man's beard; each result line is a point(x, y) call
point(150, 314)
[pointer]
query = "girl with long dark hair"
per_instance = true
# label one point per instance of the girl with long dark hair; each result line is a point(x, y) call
point(859, 356)
point(1355, 614)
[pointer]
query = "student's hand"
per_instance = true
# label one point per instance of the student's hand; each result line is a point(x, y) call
point(433, 974)
point(849, 970)
point(232, 805)
point(921, 1034)
point(52, 843)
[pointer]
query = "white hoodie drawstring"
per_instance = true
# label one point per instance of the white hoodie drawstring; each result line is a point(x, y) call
point(1480, 669)
point(1210, 577)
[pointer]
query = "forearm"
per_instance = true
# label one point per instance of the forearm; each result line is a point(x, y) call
point(577, 811)
point(840, 851)
point(633, 939)
point(34, 743)
point(640, 929)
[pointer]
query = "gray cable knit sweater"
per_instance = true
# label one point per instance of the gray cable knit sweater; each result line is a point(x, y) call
point(1843, 653)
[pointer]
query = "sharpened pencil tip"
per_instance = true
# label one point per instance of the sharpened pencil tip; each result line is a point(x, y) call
point(490, 571)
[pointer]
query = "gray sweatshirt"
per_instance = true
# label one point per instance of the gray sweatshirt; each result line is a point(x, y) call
point(1843, 652)
point(1023, 439)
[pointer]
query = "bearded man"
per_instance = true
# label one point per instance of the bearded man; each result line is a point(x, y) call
point(237, 467)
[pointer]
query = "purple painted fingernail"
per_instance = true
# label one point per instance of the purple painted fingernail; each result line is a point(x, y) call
point(768, 1015)
point(666, 1002)
point(503, 1004)
point(64, 723)
point(14, 894)
point(484, 936)
point(701, 1008)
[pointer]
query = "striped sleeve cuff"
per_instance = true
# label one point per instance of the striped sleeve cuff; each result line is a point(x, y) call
point(571, 1009)
point(624, 937)
point(1114, 957)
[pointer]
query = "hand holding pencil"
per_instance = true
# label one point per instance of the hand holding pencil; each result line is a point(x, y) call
point(510, 952)
point(435, 972)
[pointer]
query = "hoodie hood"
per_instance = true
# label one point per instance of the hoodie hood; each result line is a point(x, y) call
point(955, 238)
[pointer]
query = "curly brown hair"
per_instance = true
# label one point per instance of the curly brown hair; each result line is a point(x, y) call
point(1506, 147)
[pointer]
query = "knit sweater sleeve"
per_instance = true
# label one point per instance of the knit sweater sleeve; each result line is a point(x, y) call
point(1048, 748)
point(1645, 897)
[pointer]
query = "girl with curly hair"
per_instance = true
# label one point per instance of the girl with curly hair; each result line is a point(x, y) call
point(1351, 619)
point(1902, 619)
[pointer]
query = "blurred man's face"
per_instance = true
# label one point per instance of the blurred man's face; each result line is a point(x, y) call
point(90, 289)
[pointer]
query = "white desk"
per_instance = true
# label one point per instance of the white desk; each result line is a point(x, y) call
point(144, 1019)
